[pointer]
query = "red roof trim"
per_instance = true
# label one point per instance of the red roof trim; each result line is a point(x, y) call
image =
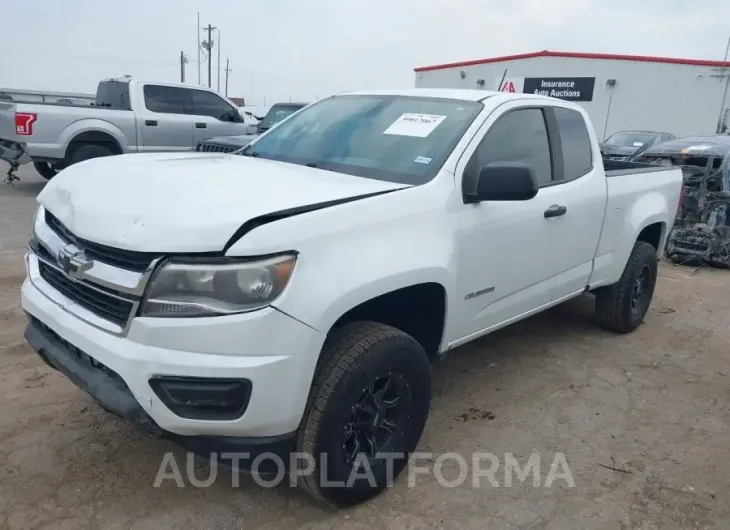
point(604, 56)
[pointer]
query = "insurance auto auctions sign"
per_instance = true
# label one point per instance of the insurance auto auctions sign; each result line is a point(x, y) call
point(568, 88)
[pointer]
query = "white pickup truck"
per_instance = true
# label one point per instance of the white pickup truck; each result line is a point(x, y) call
point(293, 303)
point(128, 116)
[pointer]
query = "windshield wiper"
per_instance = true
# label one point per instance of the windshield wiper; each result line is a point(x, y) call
point(252, 154)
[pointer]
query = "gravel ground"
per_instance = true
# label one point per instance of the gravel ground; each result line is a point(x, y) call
point(641, 419)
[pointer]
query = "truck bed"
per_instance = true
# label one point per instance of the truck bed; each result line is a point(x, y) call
point(51, 128)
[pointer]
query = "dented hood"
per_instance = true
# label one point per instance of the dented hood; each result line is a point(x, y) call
point(186, 202)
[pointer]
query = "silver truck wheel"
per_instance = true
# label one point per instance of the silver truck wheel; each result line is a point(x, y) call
point(45, 170)
point(86, 152)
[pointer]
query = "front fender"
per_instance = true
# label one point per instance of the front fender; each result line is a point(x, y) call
point(327, 285)
point(352, 253)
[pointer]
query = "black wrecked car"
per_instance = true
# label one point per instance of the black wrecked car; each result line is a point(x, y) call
point(701, 231)
point(622, 145)
point(228, 144)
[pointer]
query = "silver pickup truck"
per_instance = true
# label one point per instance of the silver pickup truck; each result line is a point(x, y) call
point(128, 116)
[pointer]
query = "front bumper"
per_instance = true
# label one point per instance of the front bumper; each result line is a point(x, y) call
point(111, 392)
point(273, 351)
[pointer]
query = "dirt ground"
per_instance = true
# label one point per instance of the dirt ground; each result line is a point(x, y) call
point(652, 405)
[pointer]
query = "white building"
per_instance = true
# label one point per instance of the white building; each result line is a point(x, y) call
point(679, 96)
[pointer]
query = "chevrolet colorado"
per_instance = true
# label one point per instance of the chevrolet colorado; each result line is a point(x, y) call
point(293, 302)
point(128, 116)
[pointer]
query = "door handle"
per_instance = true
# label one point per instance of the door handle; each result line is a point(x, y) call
point(555, 211)
point(200, 125)
point(151, 123)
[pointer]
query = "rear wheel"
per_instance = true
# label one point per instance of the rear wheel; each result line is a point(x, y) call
point(46, 170)
point(366, 411)
point(86, 152)
point(622, 306)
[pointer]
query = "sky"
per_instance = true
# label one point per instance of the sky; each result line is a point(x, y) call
point(308, 49)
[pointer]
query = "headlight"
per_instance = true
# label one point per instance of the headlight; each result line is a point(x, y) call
point(194, 288)
point(38, 222)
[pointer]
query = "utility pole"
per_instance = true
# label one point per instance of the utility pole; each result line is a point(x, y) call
point(183, 60)
point(197, 45)
point(219, 60)
point(208, 45)
point(228, 70)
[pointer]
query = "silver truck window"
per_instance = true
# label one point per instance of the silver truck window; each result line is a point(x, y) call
point(519, 136)
point(165, 99)
point(393, 138)
point(577, 152)
point(205, 103)
point(110, 95)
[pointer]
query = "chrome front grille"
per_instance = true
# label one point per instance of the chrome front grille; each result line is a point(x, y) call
point(101, 285)
point(111, 306)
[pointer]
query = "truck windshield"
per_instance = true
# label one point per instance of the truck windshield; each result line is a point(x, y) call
point(113, 95)
point(277, 113)
point(393, 138)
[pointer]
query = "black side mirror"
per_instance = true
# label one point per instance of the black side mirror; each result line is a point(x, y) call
point(504, 181)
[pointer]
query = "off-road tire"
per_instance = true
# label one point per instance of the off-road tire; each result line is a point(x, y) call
point(45, 170)
point(352, 356)
point(614, 309)
point(86, 152)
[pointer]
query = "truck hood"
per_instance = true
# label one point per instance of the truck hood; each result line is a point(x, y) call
point(186, 202)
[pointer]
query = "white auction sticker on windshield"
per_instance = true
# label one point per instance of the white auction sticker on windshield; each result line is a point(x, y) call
point(412, 124)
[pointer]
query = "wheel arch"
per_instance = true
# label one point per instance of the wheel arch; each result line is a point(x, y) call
point(419, 309)
point(94, 132)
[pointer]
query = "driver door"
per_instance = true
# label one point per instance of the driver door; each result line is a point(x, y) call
point(510, 252)
point(213, 116)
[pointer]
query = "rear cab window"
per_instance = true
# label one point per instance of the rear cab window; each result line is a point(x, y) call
point(575, 143)
point(113, 95)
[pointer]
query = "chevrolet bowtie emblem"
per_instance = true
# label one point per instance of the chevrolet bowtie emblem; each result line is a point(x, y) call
point(73, 262)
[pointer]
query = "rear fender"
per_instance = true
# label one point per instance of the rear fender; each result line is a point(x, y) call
point(616, 245)
point(94, 125)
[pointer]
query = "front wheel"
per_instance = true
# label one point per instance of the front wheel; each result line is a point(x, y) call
point(622, 306)
point(366, 411)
